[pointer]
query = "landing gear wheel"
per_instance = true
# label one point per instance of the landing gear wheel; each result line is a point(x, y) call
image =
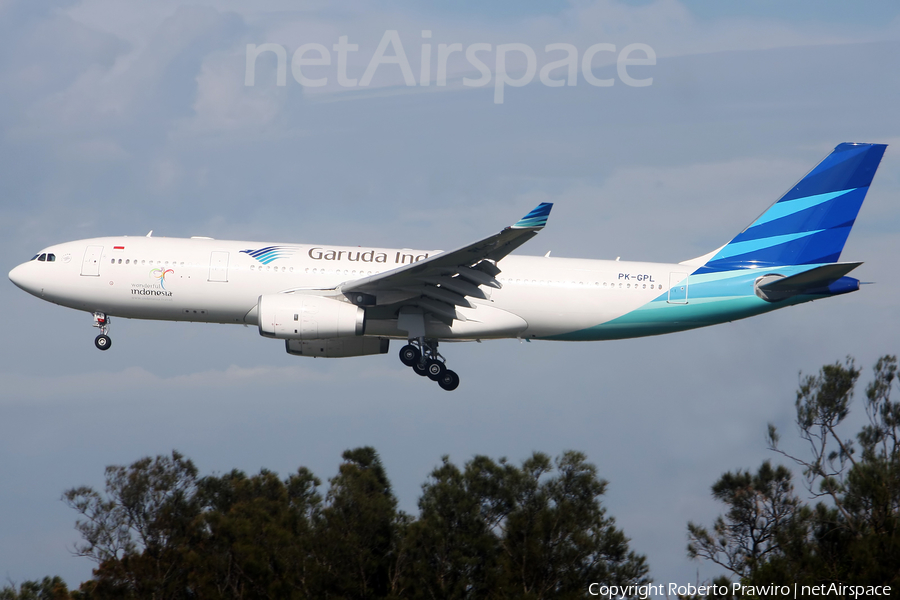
point(101, 321)
point(409, 355)
point(434, 369)
point(420, 368)
point(449, 380)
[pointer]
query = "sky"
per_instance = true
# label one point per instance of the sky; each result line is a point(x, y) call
point(120, 118)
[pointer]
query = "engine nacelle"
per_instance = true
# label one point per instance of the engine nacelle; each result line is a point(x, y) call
point(306, 317)
point(338, 347)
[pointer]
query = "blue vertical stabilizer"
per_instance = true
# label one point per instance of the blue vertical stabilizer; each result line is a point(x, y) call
point(811, 222)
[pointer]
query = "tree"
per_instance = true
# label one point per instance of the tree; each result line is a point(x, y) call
point(257, 535)
point(495, 530)
point(762, 509)
point(857, 534)
point(136, 532)
point(558, 535)
point(823, 402)
point(358, 533)
point(451, 549)
point(852, 533)
point(488, 530)
point(49, 588)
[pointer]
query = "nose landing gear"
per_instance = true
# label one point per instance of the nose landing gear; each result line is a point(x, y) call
point(422, 355)
point(102, 341)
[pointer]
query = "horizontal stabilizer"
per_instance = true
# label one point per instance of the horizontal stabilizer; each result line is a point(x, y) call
point(817, 278)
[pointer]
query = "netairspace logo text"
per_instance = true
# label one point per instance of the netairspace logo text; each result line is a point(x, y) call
point(313, 65)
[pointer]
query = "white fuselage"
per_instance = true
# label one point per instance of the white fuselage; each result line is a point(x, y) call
point(201, 279)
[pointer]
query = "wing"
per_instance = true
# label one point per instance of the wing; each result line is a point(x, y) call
point(440, 283)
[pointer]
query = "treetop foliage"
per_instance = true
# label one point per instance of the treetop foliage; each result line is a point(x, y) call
point(851, 535)
point(488, 529)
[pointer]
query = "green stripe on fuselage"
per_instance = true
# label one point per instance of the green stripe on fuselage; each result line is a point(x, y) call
point(713, 298)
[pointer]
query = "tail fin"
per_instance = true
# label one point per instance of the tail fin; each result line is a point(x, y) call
point(811, 222)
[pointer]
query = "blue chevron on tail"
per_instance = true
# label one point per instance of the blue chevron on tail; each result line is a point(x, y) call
point(811, 222)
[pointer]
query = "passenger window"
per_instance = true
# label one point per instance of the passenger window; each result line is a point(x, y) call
point(127, 261)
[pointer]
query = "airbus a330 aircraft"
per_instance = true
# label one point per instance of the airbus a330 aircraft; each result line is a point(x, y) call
point(337, 301)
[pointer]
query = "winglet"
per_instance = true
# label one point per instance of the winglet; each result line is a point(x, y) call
point(536, 219)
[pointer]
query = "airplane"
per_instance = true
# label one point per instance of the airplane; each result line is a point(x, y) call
point(341, 301)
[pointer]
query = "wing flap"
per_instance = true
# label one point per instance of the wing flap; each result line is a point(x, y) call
point(441, 309)
point(478, 277)
point(441, 294)
point(460, 286)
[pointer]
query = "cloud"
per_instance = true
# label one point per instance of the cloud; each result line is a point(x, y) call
point(155, 82)
point(43, 51)
point(28, 389)
point(224, 104)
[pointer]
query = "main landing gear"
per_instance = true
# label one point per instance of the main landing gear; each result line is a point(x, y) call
point(425, 360)
point(102, 341)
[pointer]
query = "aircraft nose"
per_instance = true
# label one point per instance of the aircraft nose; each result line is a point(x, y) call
point(16, 275)
point(23, 278)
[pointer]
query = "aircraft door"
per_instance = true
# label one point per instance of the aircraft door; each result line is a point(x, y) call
point(90, 266)
point(678, 288)
point(218, 266)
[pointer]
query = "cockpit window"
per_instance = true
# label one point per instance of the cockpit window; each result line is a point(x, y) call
point(51, 257)
point(42, 257)
point(35, 257)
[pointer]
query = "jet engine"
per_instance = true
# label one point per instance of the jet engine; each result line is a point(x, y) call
point(306, 317)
